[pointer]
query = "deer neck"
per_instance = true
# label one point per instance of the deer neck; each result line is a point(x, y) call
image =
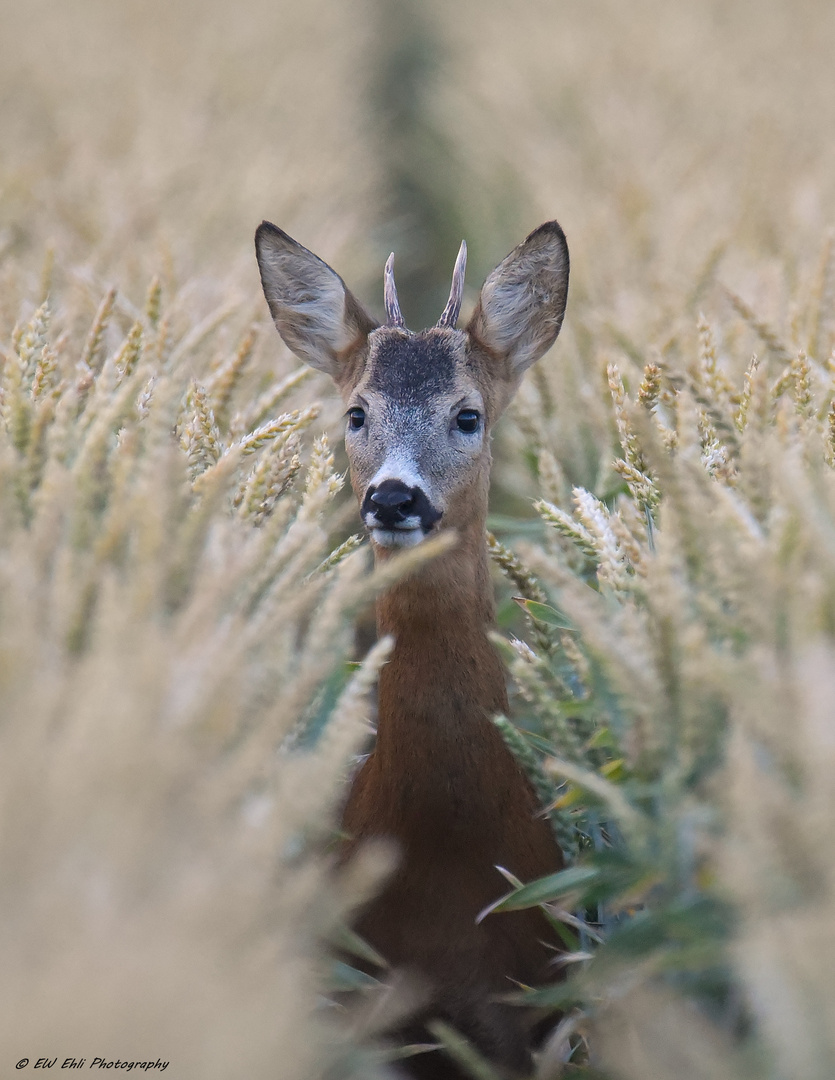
point(444, 680)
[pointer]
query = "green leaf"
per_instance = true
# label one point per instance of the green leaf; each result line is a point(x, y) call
point(560, 995)
point(567, 936)
point(602, 739)
point(602, 877)
point(400, 1053)
point(545, 890)
point(343, 977)
point(614, 770)
point(349, 941)
point(544, 613)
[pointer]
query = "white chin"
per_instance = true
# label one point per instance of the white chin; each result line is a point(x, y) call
point(394, 538)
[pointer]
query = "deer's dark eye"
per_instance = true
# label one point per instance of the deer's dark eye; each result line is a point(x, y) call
point(356, 418)
point(468, 420)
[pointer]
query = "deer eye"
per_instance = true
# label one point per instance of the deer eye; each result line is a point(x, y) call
point(356, 418)
point(467, 421)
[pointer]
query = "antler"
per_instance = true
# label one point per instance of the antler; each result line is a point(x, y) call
point(456, 293)
point(394, 316)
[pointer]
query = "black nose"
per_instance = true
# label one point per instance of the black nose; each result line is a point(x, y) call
point(390, 502)
point(392, 499)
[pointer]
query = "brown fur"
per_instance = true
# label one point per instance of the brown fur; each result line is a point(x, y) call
point(444, 786)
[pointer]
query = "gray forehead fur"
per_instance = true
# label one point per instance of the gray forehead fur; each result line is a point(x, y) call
point(407, 367)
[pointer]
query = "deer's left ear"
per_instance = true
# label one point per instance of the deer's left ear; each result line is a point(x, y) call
point(522, 303)
point(320, 319)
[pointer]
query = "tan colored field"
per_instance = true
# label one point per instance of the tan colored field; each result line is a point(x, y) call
point(177, 718)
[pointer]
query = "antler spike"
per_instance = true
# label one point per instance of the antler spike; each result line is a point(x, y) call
point(456, 293)
point(394, 316)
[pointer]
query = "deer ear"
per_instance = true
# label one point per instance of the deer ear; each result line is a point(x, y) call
point(313, 310)
point(522, 303)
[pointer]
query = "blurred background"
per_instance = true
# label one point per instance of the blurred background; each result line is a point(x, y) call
point(660, 134)
point(687, 150)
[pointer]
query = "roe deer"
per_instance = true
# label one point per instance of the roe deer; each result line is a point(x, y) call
point(441, 782)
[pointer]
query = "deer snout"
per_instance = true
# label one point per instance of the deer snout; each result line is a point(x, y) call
point(392, 508)
point(392, 500)
point(389, 504)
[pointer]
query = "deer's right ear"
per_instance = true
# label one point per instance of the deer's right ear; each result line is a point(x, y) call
point(522, 303)
point(318, 317)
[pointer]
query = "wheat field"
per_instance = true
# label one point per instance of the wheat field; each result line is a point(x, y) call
point(182, 695)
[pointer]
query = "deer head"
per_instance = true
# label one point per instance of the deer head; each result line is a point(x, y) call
point(420, 406)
